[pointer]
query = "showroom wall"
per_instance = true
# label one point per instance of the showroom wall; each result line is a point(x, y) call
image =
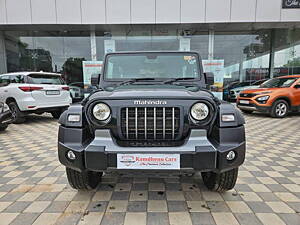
point(143, 11)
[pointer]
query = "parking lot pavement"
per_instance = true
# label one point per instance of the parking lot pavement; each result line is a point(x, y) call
point(34, 188)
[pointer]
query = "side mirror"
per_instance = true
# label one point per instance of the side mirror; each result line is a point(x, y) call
point(209, 78)
point(297, 86)
point(95, 79)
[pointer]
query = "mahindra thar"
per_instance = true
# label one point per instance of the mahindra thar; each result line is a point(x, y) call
point(152, 111)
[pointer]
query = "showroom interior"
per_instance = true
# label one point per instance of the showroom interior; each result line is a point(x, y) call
point(249, 55)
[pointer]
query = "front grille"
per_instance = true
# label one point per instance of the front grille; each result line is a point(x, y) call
point(247, 95)
point(150, 123)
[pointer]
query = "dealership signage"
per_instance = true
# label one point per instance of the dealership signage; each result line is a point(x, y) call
point(89, 68)
point(216, 67)
point(148, 161)
point(109, 46)
point(185, 44)
point(290, 4)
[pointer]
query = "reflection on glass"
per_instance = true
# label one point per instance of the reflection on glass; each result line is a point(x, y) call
point(287, 52)
point(49, 51)
point(246, 56)
point(279, 82)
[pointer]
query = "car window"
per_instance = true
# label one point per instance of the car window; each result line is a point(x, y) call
point(16, 79)
point(259, 82)
point(4, 81)
point(279, 82)
point(45, 79)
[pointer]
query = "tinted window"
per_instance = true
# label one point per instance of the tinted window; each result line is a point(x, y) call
point(45, 79)
point(279, 82)
point(4, 81)
point(259, 82)
point(16, 79)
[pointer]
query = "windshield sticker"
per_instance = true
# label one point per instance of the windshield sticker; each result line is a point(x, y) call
point(191, 59)
point(188, 57)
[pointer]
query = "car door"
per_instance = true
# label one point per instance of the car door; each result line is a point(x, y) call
point(4, 82)
point(296, 93)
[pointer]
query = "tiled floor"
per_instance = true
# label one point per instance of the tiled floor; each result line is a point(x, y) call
point(34, 189)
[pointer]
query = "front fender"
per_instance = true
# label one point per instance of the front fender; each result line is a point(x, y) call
point(72, 110)
point(227, 108)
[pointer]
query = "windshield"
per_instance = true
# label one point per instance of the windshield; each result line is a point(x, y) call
point(45, 79)
point(279, 82)
point(152, 65)
point(259, 82)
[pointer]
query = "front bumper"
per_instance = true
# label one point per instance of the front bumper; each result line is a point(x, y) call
point(5, 118)
point(198, 153)
point(254, 107)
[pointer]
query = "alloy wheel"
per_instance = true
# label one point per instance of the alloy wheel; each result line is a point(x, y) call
point(13, 112)
point(281, 109)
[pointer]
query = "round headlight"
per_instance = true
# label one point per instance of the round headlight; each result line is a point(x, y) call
point(199, 111)
point(101, 111)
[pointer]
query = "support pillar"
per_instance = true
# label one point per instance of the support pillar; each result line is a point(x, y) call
point(3, 62)
point(211, 41)
point(272, 54)
point(93, 44)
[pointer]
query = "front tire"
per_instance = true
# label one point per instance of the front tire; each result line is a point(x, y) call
point(56, 114)
point(85, 180)
point(280, 109)
point(220, 181)
point(17, 115)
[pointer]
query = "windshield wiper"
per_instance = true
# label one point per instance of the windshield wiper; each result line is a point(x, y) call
point(178, 79)
point(131, 81)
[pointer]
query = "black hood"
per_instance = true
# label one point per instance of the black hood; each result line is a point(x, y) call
point(152, 92)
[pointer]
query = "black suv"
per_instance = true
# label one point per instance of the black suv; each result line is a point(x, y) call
point(151, 111)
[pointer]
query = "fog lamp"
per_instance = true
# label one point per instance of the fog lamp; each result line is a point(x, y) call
point(71, 155)
point(74, 118)
point(230, 155)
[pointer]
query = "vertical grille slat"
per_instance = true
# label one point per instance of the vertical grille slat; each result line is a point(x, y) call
point(150, 123)
point(164, 123)
point(136, 123)
point(154, 121)
point(145, 123)
point(173, 123)
point(127, 135)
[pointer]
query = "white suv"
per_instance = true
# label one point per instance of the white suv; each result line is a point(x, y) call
point(34, 92)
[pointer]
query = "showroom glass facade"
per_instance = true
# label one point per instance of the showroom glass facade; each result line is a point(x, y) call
point(246, 56)
point(60, 52)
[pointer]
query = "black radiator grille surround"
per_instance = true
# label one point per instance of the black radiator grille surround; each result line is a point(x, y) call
point(150, 123)
point(247, 95)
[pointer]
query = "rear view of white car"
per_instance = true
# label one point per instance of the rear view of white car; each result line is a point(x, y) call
point(34, 92)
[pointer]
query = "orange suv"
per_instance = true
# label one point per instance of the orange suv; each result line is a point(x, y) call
point(277, 96)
